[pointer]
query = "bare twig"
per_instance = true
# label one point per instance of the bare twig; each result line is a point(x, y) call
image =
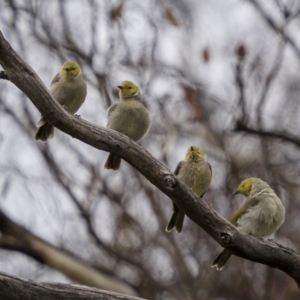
point(275, 27)
point(240, 126)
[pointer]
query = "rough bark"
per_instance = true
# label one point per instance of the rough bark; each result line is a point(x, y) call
point(14, 288)
point(265, 252)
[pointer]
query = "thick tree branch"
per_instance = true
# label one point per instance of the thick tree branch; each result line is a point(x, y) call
point(222, 231)
point(14, 288)
point(15, 237)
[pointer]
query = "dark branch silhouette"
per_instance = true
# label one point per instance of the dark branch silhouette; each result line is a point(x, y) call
point(240, 126)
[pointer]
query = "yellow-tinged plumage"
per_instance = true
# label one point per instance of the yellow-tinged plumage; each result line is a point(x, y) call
point(196, 173)
point(244, 188)
point(261, 214)
point(69, 89)
point(129, 116)
point(235, 216)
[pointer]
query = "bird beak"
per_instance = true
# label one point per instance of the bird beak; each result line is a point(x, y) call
point(192, 148)
point(120, 87)
point(235, 193)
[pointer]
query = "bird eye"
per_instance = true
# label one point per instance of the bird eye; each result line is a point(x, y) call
point(129, 87)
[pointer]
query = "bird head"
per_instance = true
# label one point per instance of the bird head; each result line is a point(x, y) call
point(70, 69)
point(245, 187)
point(128, 90)
point(194, 153)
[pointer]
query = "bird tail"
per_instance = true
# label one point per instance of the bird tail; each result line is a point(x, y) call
point(221, 260)
point(176, 221)
point(113, 162)
point(44, 131)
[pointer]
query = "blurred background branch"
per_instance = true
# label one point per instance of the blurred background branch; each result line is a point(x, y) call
point(17, 238)
point(16, 288)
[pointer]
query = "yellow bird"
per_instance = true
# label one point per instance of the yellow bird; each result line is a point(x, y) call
point(261, 214)
point(69, 89)
point(196, 173)
point(129, 116)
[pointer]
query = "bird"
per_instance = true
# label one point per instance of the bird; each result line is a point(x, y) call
point(196, 173)
point(260, 215)
point(129, 116)
point(69, 89)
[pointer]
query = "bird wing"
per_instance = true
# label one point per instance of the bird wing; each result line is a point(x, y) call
point(178, 168)
point(210, 168)
point(111, 108)
point(55, 79)
point(211, 174)
point(248, 204)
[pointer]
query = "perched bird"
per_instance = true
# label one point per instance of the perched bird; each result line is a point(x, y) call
point(261, 214)
point(129, 116)
point(69, 89)
point(196, 173)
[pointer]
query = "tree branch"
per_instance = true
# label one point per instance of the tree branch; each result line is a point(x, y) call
point(14, 288)
point(15, 237)
point(201, 213)
point(241, 126)
point(275, 27)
